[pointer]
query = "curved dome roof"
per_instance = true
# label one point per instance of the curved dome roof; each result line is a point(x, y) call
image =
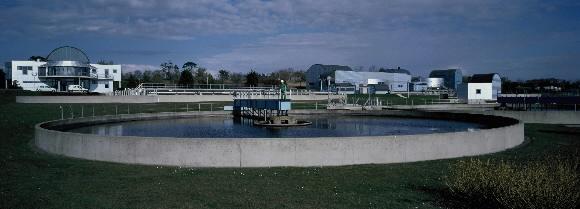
point(68, 53)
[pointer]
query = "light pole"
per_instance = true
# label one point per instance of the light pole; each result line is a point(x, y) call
point(328, 89)
point(408, 89)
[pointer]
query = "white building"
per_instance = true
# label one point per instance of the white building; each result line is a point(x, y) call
point(481, 88)
point(64, 66)
point(396, 82)
point(420, 86)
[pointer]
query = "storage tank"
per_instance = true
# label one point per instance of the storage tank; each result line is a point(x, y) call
point(435, 82)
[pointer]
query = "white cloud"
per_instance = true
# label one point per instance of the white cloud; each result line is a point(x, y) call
point(288, 50)
point(186, 19)
point(420, 35)
point(134, 67)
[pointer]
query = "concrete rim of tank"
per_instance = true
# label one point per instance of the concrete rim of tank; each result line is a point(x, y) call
point(503, 134)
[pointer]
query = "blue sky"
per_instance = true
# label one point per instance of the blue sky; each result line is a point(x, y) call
point(518, 39)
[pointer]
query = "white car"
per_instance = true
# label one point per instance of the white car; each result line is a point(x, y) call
point(76, 88)
point(45, 88)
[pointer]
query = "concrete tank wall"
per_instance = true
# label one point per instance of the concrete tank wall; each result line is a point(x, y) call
point(549, 117)
point(267, 152)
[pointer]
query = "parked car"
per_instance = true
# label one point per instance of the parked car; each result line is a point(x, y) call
point(76, 88)
point(45, 88)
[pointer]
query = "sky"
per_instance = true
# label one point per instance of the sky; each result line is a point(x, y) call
point(520, 39)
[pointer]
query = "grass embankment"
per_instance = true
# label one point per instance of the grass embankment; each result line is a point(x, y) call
point(33, 179)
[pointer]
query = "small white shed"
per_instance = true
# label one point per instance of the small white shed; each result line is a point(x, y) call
point(481, 88)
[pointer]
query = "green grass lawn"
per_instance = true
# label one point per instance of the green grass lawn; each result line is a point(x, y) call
point(393, 99)
point(32, 179)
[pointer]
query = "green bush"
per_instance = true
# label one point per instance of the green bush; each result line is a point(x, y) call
point(548, 183)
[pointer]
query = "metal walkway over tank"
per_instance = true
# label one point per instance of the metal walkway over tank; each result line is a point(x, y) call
point(261, 109)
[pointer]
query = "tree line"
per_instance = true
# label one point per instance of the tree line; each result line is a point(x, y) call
point(545, 85)
point(191, 74)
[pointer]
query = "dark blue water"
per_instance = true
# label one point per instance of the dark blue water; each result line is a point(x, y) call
point(322, 126)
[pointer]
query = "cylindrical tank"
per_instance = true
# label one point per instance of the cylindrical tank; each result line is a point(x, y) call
point(435, 82)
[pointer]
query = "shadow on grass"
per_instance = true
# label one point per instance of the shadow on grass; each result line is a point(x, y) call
point(562, 129)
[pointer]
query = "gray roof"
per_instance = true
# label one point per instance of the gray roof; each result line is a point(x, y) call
point(68, 53)
point(395, 70)
point(482, 78)
point(334, 67)
point(440, 73)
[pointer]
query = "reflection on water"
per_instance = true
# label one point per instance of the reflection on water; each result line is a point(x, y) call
point(322, 126)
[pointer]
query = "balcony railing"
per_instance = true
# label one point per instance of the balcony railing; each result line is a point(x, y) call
point(44, 74)
point(101, 76)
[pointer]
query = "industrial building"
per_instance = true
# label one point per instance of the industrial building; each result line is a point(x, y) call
point(65, 67)
point(452, 78)
point(344, 79)
point(320, 77)
point(481, 88)
point(378, 81)
point(419, 86)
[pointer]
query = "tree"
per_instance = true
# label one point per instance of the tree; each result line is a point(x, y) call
point(157, 76)
point(300, 77)
point(138, 75)
point(237, 78)
point(130, 81)
point(202, 76)
point(34, 58)
point(223, 76)
point(175, 74)
point(146, 77)
point(191, 66)
point(105, 62)
point(186, 78)
point(252, 78)
point(170, 70)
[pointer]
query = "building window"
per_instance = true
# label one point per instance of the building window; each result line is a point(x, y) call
point(477, 91)
point(400, 86)
point(42, 71)
point(24, 69)
point(114, 71)
point(106, 85)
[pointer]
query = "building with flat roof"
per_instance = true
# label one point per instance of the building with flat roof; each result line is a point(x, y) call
point(344, 79)
point(64, 66)
point(393, 82)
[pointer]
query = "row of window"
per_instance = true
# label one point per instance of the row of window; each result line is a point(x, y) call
point(24, 69)
point(106, 71)
point(58, 70)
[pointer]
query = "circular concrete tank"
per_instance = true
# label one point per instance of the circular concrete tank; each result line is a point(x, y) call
point(504, 133)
